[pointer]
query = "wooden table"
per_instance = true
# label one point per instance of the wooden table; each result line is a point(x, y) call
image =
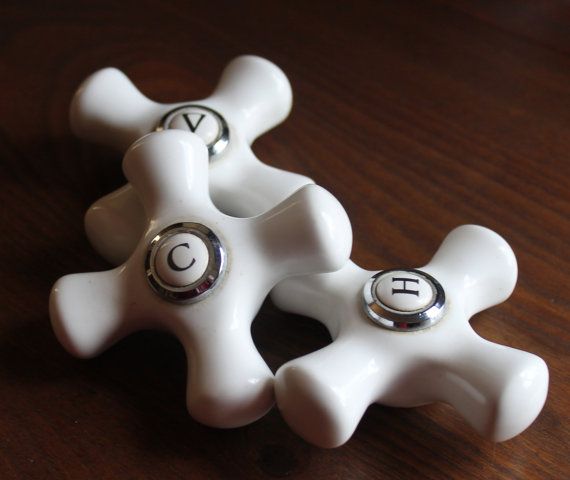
point(418, 116)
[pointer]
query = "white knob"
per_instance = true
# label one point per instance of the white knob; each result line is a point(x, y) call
point(411, 350)
point(201, 275)
point(252, 96)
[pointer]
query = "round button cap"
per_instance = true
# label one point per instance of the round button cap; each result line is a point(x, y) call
point(404, 300)
point(404, 291)
point(208, 124)
point(181, 260)
point(185, 262)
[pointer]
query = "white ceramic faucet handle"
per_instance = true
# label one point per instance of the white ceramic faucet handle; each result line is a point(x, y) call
point(169, 171)
point(108, 109)
point(312, 224)
point(401, 337)
point(256, 91)
point(477, 262)
point(201, 275)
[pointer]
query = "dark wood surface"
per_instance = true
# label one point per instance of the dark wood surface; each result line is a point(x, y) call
point(418, 116)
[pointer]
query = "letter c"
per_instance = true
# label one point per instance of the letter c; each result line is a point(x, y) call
point(173, 265)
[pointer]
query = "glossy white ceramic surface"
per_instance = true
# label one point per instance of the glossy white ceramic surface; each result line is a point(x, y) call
point(497, 389)
point(252, 96)
point(229, 384)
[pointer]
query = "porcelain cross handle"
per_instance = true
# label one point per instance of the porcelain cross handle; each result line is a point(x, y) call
point(201, 275)
point(402, 338)
point(252, 96)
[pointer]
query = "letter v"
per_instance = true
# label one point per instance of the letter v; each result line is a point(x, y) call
point(191, 126)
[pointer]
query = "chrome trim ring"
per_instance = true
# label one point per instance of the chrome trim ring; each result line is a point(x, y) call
point(391, 319)
point(216, 146)
point(202, 287)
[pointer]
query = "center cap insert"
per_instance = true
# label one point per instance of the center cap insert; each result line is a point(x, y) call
point(184, 262)
point(404, 299)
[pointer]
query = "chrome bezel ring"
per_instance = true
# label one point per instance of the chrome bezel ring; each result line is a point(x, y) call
point(202, 287)
point(400, 321)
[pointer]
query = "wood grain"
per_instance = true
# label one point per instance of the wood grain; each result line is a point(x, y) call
point(418, 116)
